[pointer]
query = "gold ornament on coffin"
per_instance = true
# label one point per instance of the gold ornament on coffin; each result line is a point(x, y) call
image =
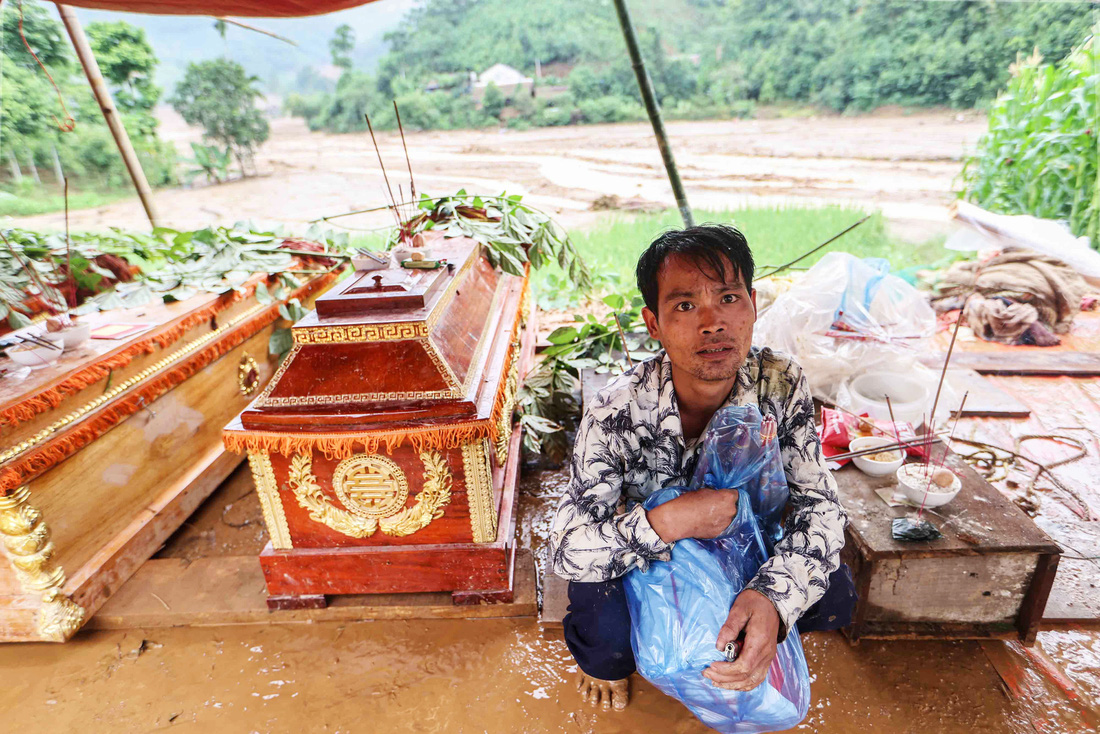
point(248, 375)
point(370, 486)
point(373, 489)
point(26, 543)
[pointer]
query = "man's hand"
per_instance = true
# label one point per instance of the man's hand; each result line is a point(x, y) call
point(704, 513)
point(755, 614)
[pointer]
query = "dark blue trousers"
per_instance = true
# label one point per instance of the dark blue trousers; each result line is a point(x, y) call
point(597, 627)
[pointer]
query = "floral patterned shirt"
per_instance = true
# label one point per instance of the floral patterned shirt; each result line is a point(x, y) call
point(630, 444)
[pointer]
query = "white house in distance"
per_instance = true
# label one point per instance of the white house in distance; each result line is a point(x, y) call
point(510, 81)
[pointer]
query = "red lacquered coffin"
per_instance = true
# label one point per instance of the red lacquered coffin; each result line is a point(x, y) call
point(382, 449)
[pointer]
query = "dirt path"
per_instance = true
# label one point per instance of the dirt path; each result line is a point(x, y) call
point(901, 164)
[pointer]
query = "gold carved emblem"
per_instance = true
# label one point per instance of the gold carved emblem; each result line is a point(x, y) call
point(370, 486)
point(248, 375)
point(373, 490)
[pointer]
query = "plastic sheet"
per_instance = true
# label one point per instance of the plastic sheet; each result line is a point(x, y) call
point(849, 316)
point(678, 607)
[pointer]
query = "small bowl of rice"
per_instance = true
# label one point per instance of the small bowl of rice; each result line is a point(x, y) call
point(879, 464)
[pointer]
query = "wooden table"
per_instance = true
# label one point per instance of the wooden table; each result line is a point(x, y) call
point(989, 576)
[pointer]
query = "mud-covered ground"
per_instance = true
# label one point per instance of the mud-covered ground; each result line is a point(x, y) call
point(903, 164)
point(493, 675)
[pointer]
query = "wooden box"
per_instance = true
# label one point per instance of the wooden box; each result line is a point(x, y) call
point(107, 452)
point(382, 449)
point(989, 576)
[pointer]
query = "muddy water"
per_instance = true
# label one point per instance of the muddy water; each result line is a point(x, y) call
point(459, 676)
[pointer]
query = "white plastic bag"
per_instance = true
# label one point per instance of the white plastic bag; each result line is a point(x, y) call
point(846, 317)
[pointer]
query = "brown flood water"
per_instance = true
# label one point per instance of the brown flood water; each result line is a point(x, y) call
point(463, 676)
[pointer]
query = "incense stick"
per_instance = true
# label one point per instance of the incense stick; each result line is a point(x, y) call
point(893, 421)
point(946, 360)
point(947, 447)
point(382, 165)
point(879, 449)
point(69, 251)
point(400, 129)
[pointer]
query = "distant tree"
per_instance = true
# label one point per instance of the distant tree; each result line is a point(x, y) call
point(127, 62)
point(341, 46)
point(42, 32)
point(492, 103)
point(220, 95)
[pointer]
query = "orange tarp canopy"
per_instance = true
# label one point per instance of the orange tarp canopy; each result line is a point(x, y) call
point(223, 8)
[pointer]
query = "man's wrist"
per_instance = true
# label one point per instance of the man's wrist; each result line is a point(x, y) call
point(661, 523)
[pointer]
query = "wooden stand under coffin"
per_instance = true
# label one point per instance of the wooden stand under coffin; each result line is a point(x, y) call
point(382, 449)
point(105, 453)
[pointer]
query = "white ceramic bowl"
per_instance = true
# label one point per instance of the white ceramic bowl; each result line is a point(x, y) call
point(869, 466)
point(75, 335)
point(909, 398)
point(33, 355)
point(917, 484)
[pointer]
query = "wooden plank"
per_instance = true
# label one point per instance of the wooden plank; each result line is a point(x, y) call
point(171, 592)
point(1074, 599)
point(1042, 690)
point(555, 601)
point(983, 398)
point(1080, 364)
point(950, 589)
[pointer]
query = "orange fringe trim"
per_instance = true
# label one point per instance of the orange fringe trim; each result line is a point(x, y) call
point(38, 460)
point(50, 397)
point(337, 446)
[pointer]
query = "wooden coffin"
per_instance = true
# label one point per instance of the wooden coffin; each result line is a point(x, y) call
point(383, 449)
point(989, 576)
point(106, 452)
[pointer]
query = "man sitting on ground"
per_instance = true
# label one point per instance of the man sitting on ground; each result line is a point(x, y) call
point(642, 433)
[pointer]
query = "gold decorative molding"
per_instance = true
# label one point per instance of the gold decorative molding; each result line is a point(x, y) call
point(397, 331)
point(263, 476)
point(433, 497)
point(479, 491)
point(26, 543)
point(359, 397)
point(504, 422)
point(248, 375)
point(59, 617)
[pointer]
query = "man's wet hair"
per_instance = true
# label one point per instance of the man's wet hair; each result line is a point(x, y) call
point(711, 246)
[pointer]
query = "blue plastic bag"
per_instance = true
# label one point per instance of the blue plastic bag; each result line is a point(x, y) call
point(677, 607)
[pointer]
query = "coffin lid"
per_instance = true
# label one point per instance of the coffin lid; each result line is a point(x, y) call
point(394, 346)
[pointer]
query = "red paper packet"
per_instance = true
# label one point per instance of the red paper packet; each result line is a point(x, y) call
point(839, 428)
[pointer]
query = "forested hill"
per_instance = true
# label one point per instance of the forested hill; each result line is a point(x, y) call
point(843, 54)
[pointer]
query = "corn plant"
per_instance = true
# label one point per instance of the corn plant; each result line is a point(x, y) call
point(1040, 154)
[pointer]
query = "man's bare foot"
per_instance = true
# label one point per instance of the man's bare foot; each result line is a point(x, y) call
point(607, 694)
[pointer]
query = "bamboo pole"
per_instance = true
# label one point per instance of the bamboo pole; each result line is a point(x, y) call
point(107, 106)
point(654, 112)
